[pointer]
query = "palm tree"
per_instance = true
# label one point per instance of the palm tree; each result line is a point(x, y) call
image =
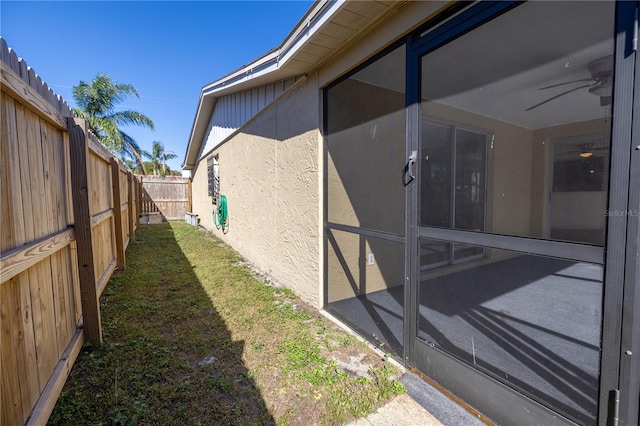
point(97, 102)
point(159, 156)
point(135, 167)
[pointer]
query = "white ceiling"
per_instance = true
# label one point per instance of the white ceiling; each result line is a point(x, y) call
point(497, 69)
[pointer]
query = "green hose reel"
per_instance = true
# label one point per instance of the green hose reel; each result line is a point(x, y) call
point(221, 215)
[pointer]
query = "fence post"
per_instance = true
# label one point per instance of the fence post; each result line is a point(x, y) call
point(117, 213)
point(130, 206)
point(79, 152)
point(190, 196)
point(138, 201)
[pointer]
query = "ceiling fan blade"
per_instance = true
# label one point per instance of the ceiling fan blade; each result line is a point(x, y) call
point(566, 82)
point(559, 95)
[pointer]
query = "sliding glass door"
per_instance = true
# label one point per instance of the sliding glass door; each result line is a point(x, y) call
point(452, 190)
point(481, 207)
point(509, 282)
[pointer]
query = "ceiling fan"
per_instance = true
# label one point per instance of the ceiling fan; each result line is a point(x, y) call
point(599, 84)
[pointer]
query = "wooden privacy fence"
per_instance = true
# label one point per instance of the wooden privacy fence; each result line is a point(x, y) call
point(170, 196)
point(68, 209)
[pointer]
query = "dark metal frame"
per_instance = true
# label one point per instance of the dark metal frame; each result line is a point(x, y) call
point(327, 225)
point(459, 377)
point(620, 364)
point(621, 353)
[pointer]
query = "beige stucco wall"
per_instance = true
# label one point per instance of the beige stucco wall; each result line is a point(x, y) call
point(269, 173)
point(349, 272)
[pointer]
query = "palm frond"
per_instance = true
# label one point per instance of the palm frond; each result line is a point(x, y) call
point(97, 101)
point(128, 118)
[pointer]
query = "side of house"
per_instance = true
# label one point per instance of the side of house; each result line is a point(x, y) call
point(457, 182)
point(268, 172)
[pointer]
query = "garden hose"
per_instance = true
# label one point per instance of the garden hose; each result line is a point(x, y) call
point(221, 215)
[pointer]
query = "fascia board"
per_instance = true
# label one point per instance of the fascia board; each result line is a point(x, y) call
point(278, 58)
point(313, 26)
point(203, 112)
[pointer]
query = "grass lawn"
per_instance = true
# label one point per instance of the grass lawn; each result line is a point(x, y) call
point(192, 337)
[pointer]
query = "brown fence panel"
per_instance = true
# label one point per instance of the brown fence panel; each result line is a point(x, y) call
point(131, 207)
point(58, 245)
point(167, 195)
point(101, 210)
point(38, 285)
point(124, 205)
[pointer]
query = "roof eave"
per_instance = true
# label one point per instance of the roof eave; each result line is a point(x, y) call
point(272, 66)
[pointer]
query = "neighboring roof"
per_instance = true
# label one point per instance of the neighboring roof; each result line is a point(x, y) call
point(326, 28)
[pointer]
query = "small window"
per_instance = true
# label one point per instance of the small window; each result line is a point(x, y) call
point(213, 175)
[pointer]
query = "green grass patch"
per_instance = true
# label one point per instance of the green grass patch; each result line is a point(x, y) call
point(192, 337)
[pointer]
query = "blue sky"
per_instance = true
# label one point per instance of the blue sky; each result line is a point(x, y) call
point(168, 50)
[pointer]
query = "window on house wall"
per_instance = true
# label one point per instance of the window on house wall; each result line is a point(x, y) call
point(213, 177)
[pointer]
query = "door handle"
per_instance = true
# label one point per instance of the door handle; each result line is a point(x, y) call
point(409, 169)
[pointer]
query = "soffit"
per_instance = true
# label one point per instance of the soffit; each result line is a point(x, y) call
point(323, 30)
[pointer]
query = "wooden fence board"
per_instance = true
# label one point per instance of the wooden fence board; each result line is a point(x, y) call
point(77, 296)
point(25, 135)
point(131, 206)
point(34, 361)
point(33, 277)
point(56, 185)
point(104, 249)
point(139, 203)
point(48, 178)
point(11, 397)
point(22, 343)
point(45, 404)
point(9, 197)
point(54, 176)
point(117, 217)
point(60, 180)
point(20, 259)
point(125, 226)
point(65, 308)
point(29, 372)
point(52, 209)
point(97, 149)
point(59, 304)
point(98, 218)
point(29, 376)
point(169, 196)
point(104, 279)
point(19, 179)
point(100, 189)
point(69, 287)
point(16, 87)
point(42, 286)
